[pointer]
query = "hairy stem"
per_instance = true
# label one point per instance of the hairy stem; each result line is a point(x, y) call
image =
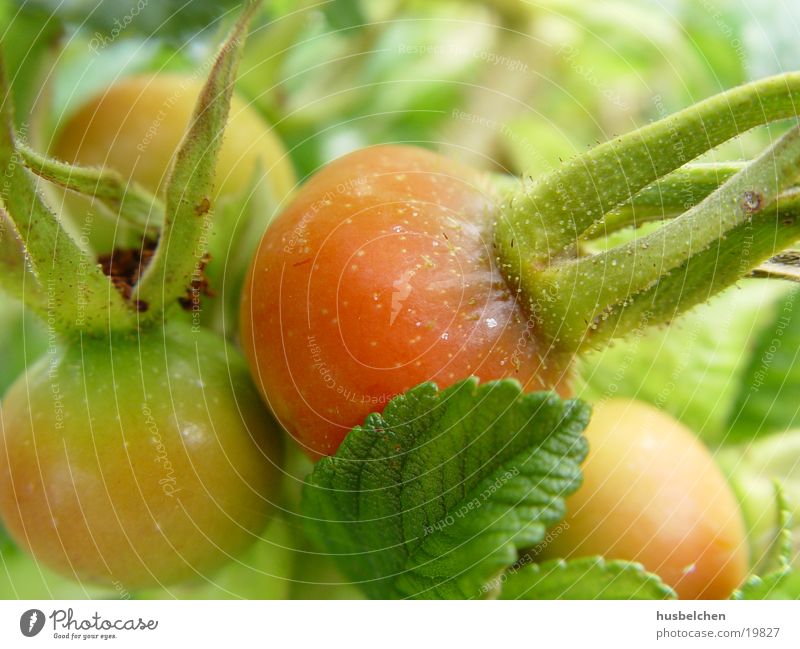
point(667, 197)
point(180, 255)
point(545, 220)
point(706, 273)
point(132, 202)
point(87, 301)
point(16, 277)
point(583, 292)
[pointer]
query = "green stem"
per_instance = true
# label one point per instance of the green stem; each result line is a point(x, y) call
point(545, 220)
point(584, 292)
point(87, 301)
point(132, 202)
point(706, 273)
point(666, 198)
point(16, 277)
point(180, 255)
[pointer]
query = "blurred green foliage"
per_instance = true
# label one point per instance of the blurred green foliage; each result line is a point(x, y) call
point(507, 85)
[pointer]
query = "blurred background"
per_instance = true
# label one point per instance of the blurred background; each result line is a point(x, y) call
point(509, 86)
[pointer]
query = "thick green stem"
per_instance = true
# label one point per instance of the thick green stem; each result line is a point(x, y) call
point(544, 221)
point(584, 292)
point(132, 202)
point(706, 273)
point(86, 299)
point(666, 198)
point(181, 253)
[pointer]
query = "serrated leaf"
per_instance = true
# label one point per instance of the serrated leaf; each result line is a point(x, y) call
point(782, 584)
point(437, 495)
point(764, 404)
point(584, 578)
point(753, 469)
point(780, 555)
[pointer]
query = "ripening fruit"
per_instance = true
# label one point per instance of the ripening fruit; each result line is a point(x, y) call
point(652, 493)
point(381, 275)
point(139, 461)
point(135, 126)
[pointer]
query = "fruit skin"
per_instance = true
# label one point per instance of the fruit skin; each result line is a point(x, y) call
point(23, 339)
point(652, 493)
point(137, 461)
point(378, 276)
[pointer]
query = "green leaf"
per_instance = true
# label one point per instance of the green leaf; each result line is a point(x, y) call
point(5, 540)
point(780, 555)
point(753, 469)
point(783, 584)
point(584, 578)
point(110, 20)
point(30, 39)
point(88, 301)
point(344, 14)
point(764, 403)
point(439, 493)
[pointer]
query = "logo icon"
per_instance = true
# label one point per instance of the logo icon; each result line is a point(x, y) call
point(31, 622)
